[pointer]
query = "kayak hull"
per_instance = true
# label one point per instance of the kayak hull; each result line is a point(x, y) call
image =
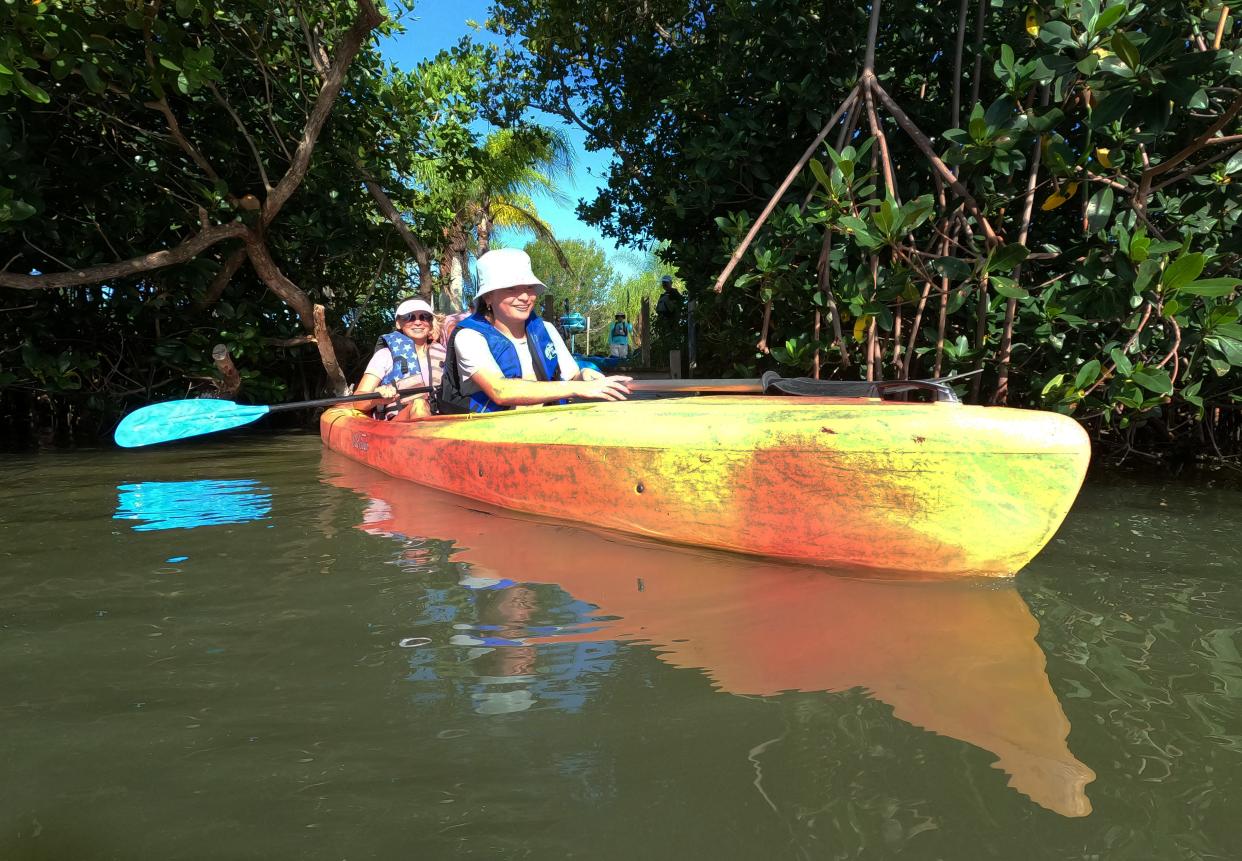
point(870, 488)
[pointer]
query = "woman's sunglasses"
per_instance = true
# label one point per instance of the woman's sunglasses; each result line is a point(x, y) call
point(405, 318)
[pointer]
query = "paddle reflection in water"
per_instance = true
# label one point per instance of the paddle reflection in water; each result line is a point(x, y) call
point(190, 504)
point(957, 659)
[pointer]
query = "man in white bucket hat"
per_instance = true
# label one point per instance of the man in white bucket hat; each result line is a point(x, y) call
point(504, 356)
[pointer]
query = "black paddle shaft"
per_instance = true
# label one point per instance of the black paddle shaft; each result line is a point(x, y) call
point(345, 399)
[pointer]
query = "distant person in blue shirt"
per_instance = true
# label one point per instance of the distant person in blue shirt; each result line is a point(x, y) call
point(619, 338)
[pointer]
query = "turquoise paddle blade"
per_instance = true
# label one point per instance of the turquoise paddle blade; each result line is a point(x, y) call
point(180, 419)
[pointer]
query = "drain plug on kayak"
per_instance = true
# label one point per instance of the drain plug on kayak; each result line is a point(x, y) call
point(639, 488)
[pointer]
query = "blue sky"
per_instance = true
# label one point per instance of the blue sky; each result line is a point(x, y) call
point(438, 24)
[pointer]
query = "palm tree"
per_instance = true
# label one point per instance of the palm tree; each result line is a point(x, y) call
point(517, 164)
point(511, 167)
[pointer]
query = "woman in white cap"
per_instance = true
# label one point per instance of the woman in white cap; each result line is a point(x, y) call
point(409, 356)
point(504, 356)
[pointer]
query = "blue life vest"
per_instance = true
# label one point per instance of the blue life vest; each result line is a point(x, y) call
point(543, 353)
point(404, 365)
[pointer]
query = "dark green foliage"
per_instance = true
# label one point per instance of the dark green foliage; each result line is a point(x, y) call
point(1121, 304)
point(131, 129)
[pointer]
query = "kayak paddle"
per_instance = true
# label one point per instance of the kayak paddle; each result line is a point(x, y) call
point(180, 419)
point(174, 420)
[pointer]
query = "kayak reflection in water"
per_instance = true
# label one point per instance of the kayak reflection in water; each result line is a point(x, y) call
point(958, 659)
point(504, 356)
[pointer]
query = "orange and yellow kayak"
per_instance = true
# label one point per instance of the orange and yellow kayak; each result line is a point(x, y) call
point(867, 487)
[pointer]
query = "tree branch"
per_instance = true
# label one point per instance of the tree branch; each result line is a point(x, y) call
point(925, 147)
point(222, 278)
point(736, 256)
point(368, 19)
point(187, 250)
point(267, 185)
point(161, 105)
point(385, 204)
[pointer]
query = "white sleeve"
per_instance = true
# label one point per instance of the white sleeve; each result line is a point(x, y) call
point(569, 368)
point(381, 363)
point(473, 354)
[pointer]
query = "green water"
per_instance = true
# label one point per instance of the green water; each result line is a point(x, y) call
point(338, 666)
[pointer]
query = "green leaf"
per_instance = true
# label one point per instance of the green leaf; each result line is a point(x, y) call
point(1099, 209)
point(1087, 374)
point(1007, 287)
point(952, 268)
point(821, 176)
point(1108, 18)
point(169, 64)
point(1124, 48)
point(1163, 246)
point(1052, 384)
point(90, 74)
point(1155, 380)
point(861, 232)
point(1046, 120)
point(1057, 34)
point(1182, 271)
point(31, 91)
point(1112, 107)
point(1212, 286)
point(1004, 258)
point(1231, 349)
point(1190, 394)
point(1123, 363)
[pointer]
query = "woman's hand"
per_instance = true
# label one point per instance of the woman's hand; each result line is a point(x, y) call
point(388, 393)
point(601, 388)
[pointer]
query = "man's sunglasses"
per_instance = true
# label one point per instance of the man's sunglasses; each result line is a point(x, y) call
point(405, 318)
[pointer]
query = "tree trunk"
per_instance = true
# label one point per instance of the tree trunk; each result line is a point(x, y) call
point(230, 380)
point(327, 354)
point(485, 232)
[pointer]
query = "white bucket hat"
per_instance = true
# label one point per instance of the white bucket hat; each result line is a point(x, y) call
point(506, 267)
point(409, 306)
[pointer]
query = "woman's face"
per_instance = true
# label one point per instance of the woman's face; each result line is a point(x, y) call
point(514, 303)
point(416, 325)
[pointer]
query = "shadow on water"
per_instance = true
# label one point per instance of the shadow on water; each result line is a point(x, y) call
point(960, 660)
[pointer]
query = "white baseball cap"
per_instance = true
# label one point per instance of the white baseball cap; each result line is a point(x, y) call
point(507, 267)
point(409, 306)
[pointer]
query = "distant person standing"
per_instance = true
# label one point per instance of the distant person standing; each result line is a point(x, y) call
point(668, 308)
point(619, 338)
